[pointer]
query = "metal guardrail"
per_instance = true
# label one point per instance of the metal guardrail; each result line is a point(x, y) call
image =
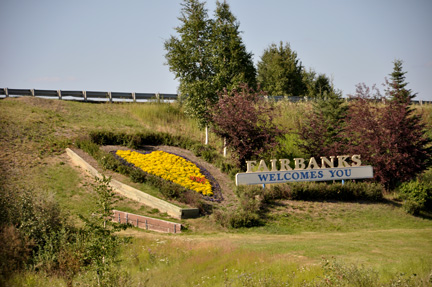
point(122, 96)
point(86, 95)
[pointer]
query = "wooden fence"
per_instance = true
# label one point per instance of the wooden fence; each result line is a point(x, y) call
point(146, 223)
point(120, 96)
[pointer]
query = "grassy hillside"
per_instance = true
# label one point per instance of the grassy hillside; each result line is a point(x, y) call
point(302, 243)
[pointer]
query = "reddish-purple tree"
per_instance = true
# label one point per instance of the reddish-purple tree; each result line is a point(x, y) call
point(245, 120)
point(388, 136)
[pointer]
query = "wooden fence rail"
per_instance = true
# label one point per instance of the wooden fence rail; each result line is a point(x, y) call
point(120, 96)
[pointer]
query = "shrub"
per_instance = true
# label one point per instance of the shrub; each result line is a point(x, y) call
point(108, 161)
point(15, 251)
point(247, 214)
point(325, 191)
point(89, 146)
point(417, 195)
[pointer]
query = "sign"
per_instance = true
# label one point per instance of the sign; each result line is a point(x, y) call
point(346, 168)
point(322, 174)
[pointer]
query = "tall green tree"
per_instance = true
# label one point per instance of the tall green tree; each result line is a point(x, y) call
point(232, 64)
point(320, 133)
point(189, 56)
point(317, 85)
point(397, 86)
point(280, 72)
point(207, 56)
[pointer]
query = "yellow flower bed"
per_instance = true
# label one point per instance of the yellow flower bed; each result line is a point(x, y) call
point(170, 167)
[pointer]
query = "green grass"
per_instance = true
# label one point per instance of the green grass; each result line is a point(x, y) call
point(289, 247)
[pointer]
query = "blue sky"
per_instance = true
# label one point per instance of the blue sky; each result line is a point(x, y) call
point(107, 45)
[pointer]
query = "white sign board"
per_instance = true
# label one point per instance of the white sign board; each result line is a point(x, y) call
point(322, 174)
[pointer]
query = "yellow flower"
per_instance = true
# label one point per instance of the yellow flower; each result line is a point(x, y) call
point(169, 167)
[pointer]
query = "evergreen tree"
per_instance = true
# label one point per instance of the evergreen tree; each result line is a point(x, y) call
point(280, 72)
point(316, 85)
point(232, 64)
point(320, 134)
point(397, 87)
point(189, 56)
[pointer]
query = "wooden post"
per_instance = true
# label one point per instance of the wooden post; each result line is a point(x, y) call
point(126, 218)
point(59, 94)
point(137, 222)
point(32, 92)
point(110, 97)
point(134, 97)
point(85, 95)
point(146, 224)
point(6, 92)
point(175, 228)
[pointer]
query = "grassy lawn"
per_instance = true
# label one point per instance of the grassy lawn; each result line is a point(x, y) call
point(301, 242)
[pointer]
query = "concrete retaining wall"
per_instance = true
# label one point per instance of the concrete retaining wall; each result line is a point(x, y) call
point(135, 194)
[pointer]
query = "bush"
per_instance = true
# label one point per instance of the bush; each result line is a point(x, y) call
point(89, 146)
point(247, 214)
point(417, 196)
point(325, 191)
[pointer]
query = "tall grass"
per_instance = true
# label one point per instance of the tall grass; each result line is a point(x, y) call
point(170, 118)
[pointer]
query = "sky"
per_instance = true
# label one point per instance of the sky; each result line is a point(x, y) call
point(112, 45)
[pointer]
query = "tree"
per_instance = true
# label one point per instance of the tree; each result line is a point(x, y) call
point(207, 56)
point(316, 85)
point(280, 72)
point(101, 244)
point(389, 137)
point(245, 120)
point(320, 133)
point(397, 90)
point(189, 56)
point(232, 64)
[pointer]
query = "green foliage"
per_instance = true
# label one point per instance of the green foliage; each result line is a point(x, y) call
point(233, 65)
point(89, 146)
point(248, 212)
point(337, 274)
point(317, 85)
point(189, 57)
point(321, 132)
point(349, 191)
point(417, 195)
point(207, 56)
point(15, 251)
point(101, 244)
point(396, 87)
point(280, 72)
